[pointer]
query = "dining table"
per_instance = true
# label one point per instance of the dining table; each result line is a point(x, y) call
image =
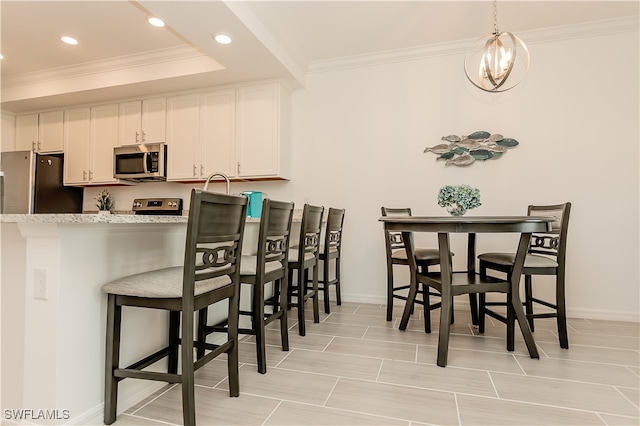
point(452, 283)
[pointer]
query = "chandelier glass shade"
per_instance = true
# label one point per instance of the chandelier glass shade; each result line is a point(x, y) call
point(497, 61)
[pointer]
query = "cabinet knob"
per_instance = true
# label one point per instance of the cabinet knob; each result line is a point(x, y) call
point(90, 175)
point(33, 146)
point(144, 136)
point(194, 170)
point(137, 137)
point(201, 170)
point(84, 175)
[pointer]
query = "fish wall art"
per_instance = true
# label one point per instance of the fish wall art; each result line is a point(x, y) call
point(465, 150)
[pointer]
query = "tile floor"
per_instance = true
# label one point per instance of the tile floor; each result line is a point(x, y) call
point(355, 368)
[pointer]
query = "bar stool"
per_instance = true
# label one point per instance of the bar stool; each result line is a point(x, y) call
point(270, 265)
point(210, 273)
point(546, 256)
point(303, 258)
point(331, 250)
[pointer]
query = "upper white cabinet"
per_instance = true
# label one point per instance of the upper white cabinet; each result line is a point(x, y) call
point(104, 137)
point(262, 123)
point(90, 134)
point(218, 132)
point(241, 132)
point(77, 133)
point(40, 132)
point(183, 162)
point(142, 121)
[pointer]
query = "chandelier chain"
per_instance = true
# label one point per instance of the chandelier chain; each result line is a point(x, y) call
point(495, 17)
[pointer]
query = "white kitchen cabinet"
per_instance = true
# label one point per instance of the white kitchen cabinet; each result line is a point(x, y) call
point(27, 132)
point(90, 136)
point(77, 134)
point(263, 131)
point(201, 135)
point(40, 132)
point(218, 132)
point(104, 137)
point(183, 163)
point(142, 121)
point(50, 132)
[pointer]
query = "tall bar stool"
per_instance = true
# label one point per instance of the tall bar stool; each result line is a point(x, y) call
point(396, 255)
point(211, 273)
point(330, 250)
point(304, 257)
point(546, 256)
point(270, 265)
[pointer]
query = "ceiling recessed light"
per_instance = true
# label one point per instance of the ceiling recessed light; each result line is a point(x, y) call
point(222, 38)
point(69, 40)
point(156, 22)
point(1, 57)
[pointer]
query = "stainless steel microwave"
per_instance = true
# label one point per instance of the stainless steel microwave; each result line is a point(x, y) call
point(143, 162)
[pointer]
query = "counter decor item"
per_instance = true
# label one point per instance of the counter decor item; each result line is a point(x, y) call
point(105, 202)
point(459, 198)
point(465, 150)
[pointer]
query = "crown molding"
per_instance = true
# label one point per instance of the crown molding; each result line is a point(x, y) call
point(161, 57)
point(545, 35)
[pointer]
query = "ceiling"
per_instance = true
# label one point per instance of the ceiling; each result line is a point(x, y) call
point(120, 55)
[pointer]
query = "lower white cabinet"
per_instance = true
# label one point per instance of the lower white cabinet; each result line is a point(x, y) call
point(90, 134)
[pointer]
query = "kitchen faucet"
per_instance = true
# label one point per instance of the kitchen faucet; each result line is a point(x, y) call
point(222, 175)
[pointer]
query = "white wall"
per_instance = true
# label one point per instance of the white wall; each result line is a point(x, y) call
point(359, 133)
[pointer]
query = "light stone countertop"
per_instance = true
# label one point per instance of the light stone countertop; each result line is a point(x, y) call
point(108, 218)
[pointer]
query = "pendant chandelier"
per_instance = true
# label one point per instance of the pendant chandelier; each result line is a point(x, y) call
point(497, 61)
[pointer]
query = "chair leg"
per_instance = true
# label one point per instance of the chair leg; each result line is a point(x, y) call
point(202, 334)
point(389, 292)
point(316, 307)
point(511, 323)
point(563, 336)
point(426, 308)
point(473, 303)
point(112, 360)
point(289, 293)
point(326, 285)
point(232, 336)
point(284, 328)
point(302, 284)
point(174, 340)
point(338, 291)
point(257, 323)
point(528, 300)
point(482, 299)
point(188, 382)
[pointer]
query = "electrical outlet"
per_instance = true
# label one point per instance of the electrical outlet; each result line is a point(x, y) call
point(40, 284)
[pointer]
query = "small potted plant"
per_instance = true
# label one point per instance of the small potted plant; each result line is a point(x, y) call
point(458, 198)
point(105, 202)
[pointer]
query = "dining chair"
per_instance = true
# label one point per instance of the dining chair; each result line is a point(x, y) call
point(303, 258)
point(330, 251)
point(546, 256)
point(210, 274)
point(397, 255)
point(269, 265)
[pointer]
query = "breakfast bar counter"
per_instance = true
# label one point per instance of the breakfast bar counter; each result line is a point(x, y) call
point(53, 312)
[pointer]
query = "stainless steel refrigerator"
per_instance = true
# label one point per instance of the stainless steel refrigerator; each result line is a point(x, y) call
point(33, 184)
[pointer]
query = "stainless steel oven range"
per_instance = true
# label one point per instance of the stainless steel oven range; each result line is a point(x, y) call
point(158, 206)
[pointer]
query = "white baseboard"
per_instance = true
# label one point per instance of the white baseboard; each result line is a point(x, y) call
point(126, 400)
point(593, 314)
